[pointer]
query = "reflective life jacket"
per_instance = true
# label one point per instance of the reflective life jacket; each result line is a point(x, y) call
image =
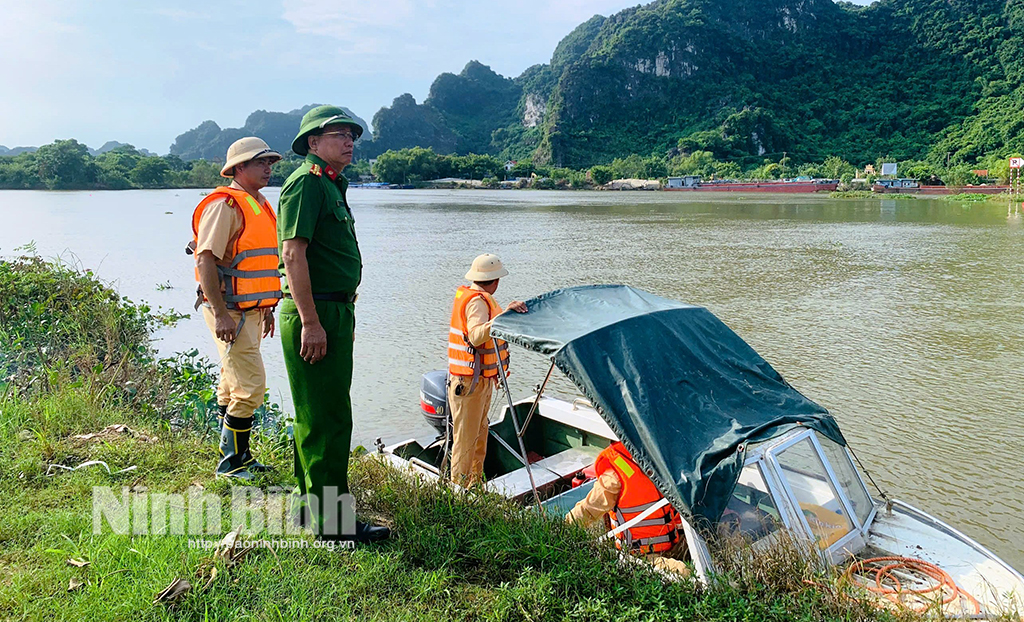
point(463, 358)
point(252, 279)
point(656, 533)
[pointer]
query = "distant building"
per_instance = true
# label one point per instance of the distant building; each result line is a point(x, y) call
point(686, 181)
point(897, 183)
point(869, 170)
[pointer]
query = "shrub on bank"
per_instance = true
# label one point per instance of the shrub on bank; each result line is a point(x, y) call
point(60, 325)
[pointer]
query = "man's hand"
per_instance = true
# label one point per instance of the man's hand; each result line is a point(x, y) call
point(314, 343)
point(518, 307)
point(268, 323)
point(225, 327)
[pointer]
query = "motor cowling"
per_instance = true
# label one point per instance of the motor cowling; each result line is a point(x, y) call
point(434, 399)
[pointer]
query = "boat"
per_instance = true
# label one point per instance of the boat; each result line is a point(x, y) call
point(729, 443)
point(790, 186)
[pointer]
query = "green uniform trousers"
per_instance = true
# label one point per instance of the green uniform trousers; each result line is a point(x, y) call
point(323, 407)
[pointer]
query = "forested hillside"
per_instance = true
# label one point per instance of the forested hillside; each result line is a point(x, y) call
point(209, 142)
point(744, 80)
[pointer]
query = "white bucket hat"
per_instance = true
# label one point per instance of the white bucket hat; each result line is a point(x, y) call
point(486, 267)
point(245, 149)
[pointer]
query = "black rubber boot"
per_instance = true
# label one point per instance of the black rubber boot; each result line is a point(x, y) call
point(364, 534)
point(234, 443)
point(250, 461)
point(222, 411)
point(253, 464)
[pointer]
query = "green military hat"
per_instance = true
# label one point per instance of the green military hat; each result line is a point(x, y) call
point(317, 119)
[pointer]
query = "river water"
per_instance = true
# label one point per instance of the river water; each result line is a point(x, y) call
point(903, 318)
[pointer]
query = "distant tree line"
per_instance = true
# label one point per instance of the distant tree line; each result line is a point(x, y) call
point(418, 164)
point(68, 165)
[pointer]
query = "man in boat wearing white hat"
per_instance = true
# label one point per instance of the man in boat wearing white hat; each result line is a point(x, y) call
point(474, 361)
point(235, 244)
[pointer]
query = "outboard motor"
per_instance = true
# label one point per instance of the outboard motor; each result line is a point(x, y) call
point(434, 399)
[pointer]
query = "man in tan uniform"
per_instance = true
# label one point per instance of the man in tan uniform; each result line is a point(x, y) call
point(474, 362)
point(604, 500)
point(238, 326)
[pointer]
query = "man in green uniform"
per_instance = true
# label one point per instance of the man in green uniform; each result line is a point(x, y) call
point(322, 267)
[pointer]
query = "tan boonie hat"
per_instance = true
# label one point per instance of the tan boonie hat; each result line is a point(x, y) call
point(245, 149)
point(486, 267)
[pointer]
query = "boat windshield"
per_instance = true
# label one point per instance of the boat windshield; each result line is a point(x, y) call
point(846, 474)
point(811, 487)
point(751, 511)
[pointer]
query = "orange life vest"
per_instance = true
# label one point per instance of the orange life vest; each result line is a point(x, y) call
point(463, 358)
point(656, 533)
point(252, 279)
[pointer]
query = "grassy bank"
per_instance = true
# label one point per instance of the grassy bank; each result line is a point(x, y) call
point(971, 197)
point(962, 197)
point(868, 194)
point(77, 360)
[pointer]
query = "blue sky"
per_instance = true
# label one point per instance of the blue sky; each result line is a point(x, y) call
point(145, 72)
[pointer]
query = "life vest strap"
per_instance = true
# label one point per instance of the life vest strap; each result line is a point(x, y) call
point(248, 274)
point(654, 522)
point(474, 364)
point(639, 508)
point(254, 296)
point(252, 252)
point(650, 522)
point(649, 543)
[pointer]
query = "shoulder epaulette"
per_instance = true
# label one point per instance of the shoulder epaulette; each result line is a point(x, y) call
point(315, 169)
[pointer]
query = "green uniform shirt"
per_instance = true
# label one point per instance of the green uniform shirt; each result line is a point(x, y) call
point(313, 206)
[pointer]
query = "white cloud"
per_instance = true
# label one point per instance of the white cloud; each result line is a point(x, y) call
point(439, 35)
point(180, 15)
point(345, 18)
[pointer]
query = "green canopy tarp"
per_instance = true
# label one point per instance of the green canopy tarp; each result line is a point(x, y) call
point(682, 391)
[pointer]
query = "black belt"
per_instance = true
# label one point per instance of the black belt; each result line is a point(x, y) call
point(333, 297)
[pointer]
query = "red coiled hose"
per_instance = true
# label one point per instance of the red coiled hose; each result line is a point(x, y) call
point(885, 576)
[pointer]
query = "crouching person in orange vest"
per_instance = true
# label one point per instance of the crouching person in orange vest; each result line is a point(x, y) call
point(622, 492)
point(235, 243)
point(474, 360)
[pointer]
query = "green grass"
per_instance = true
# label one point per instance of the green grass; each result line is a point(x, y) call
point(453, 556)
point(969, 197)
point(868, 194)
point(852, 194)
